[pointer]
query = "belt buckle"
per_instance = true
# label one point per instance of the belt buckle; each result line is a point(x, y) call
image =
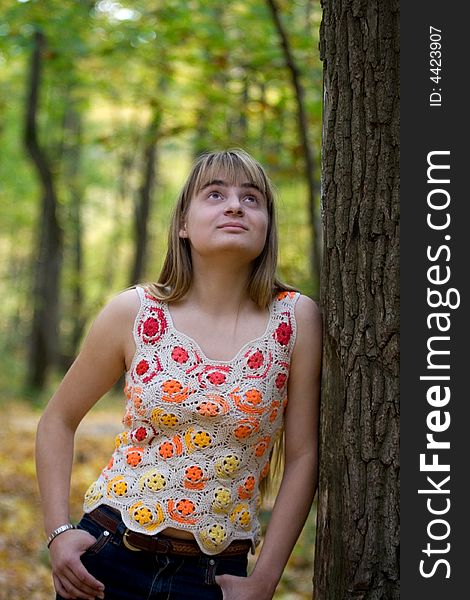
point(127, 544)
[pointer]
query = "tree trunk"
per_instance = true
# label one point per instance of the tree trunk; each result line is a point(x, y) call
point(71, 157)
point(302, 119)
point(48, 255)
point(144, 200)
point(358, 503)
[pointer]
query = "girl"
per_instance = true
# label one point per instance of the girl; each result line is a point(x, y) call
point(219, 357)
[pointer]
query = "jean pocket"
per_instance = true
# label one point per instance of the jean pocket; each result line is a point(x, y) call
point(102, 535)
point(100, 543)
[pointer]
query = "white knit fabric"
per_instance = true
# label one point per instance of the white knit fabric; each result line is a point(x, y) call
point(197, 432)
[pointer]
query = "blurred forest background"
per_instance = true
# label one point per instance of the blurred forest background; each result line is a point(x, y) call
point(103, 107)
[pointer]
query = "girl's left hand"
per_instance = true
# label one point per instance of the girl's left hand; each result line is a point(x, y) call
point(242, 588)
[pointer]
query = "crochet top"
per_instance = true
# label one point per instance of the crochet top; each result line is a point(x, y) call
point(198, 433)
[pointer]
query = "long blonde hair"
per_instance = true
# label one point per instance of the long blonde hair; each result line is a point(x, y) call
point(176, 274)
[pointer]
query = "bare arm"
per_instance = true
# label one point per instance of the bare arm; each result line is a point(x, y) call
point(299, 480)
point(99, 365)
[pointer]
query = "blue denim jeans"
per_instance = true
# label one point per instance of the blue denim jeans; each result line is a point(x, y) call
point(129, 575)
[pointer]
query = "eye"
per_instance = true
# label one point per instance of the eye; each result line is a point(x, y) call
point(250, 200)
point(214, 195)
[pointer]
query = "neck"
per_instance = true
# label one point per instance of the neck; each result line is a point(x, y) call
point(219, 289)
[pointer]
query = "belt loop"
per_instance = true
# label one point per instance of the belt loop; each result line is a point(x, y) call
point(210, 571)
point(120, 531)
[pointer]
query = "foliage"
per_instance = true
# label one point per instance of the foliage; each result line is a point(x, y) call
point(214, 74)
point(25, 570)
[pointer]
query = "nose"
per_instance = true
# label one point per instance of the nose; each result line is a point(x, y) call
point(234, 205)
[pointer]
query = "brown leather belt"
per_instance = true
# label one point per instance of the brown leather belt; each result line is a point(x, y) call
point(159, 544)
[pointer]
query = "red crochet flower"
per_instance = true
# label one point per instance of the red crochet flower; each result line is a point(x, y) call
point(142, 367)
point(140, 433)
point(153, 327)
point(145, 371)
point(281, 381)
point(255, 360)
point(283, 333)
point(216, 377)
point(179, 355)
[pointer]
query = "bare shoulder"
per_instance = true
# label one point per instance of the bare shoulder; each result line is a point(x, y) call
point(121, 308)
point(308, 314)
point(114, 323)
point(309, 329)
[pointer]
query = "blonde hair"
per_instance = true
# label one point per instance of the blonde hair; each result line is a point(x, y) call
point(176, 274)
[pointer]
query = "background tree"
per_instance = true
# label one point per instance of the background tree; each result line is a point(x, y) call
point(358, 504)
point(48, 252)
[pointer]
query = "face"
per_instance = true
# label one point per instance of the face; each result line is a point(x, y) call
point(227, 219)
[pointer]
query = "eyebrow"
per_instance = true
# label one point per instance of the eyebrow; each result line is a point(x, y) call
point(223, 183)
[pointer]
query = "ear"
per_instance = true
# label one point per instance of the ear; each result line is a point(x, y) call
point(182, 232)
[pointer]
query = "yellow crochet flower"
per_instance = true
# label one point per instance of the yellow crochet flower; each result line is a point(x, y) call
point(93, 494)
point(222, 500)
point(227, 466)
point(213, 536)
point(121, 439)
point(241, 515)
point(153, 480)
point(145, 517)
point(117, 486)
point(202, 439)
point(169, 420)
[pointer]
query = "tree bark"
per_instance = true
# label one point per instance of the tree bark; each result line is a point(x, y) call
point(358, 503)
point(71, 157)
point(302, 119)
point(44, 332)
point(144, 200)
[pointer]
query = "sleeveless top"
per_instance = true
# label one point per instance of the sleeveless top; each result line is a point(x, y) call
point(198, 433)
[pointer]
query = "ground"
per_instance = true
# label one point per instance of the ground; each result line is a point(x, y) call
point(24, 570)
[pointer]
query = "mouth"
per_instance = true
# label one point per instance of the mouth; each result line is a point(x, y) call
point(232, 225)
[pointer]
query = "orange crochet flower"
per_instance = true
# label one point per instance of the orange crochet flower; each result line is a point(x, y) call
point(171, 386)
point(262, 446)
point(166, 450)
point(242, 431)
point(245, 491)
point(173, 391)
point(181, 513)
point(284, 294)
point(253, 397)
point(208, 409)
point(246, 427)
point(194, 473)
point(185, 507)
point(194, 479)
point(264, 471)
point(134, 456)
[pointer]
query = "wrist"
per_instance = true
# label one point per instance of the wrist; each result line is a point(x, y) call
point(264, 582)
point(57, 531)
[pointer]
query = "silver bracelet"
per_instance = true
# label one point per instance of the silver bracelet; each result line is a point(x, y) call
point(58, 531)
